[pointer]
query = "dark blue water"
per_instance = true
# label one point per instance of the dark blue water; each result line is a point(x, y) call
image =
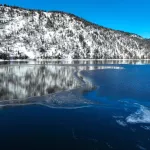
point(119, 118)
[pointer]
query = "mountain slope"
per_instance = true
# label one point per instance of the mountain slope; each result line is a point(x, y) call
point(38, 34)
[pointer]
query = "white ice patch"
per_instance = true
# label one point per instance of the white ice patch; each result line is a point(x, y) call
point(146, 127)
point(140, 116)
point(121, 123)
point(141, 147)
point(118, 117)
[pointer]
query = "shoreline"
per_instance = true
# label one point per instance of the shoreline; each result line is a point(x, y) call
point(13, 60)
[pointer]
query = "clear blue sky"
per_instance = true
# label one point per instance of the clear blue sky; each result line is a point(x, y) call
point(127, 15)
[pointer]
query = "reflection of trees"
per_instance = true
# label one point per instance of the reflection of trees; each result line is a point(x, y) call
point(24, 81)
point(34, 80)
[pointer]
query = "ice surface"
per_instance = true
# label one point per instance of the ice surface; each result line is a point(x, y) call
point(142, 115)
point(121, 123)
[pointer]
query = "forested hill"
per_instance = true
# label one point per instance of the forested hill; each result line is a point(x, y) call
point(40, 34)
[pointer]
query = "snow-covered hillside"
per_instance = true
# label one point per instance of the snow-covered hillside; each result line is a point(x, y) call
point(38, 34)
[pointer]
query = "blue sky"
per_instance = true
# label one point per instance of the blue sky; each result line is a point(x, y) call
point(127, 15)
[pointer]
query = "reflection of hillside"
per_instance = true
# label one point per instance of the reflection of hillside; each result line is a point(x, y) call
point(34, 80)
point(23, 81)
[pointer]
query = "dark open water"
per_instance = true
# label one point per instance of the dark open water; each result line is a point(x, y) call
point(86, 105)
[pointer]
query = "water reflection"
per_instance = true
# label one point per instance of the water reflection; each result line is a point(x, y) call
point(23, 81)
point(19, 82)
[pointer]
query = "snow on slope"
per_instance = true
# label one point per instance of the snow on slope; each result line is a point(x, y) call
point(38, 34)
